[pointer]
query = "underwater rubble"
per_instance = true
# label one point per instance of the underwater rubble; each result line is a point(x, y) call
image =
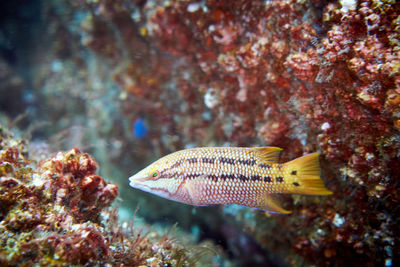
point(56, 212)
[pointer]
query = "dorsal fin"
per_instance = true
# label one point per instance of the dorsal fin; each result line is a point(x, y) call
point(268, 154)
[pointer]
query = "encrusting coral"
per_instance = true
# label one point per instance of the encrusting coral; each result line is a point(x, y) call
point(302, 75)
point(57, 213)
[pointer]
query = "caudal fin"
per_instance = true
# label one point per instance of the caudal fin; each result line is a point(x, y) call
point(305, 176)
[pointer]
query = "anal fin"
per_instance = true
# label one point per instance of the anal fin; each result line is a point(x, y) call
point(271, 205)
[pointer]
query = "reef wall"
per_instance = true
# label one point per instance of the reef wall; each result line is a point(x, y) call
point(302, 75)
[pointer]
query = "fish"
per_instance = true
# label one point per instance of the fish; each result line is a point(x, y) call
point(139, 129)
point(248, 176)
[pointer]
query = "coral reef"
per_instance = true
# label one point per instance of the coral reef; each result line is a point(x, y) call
point(57, 213)
point(285, 73)
point(303, 75)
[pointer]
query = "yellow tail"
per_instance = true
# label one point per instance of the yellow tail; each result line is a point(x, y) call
point(304, 176)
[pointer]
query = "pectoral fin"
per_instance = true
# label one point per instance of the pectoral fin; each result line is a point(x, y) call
point(194, 189)
point(271, 205)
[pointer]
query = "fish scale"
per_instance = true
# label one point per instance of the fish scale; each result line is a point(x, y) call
point(239, 188)
point(230, 175)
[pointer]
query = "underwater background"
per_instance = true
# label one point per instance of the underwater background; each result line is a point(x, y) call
point(92, 91)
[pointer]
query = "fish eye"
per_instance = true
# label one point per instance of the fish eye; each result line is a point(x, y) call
point(155, 174)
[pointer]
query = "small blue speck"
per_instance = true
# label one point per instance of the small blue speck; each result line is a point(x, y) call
point(139, 128)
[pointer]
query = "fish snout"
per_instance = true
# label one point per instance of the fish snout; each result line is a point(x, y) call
point(138, 179)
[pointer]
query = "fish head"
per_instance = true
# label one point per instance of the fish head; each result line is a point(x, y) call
point(158, 178)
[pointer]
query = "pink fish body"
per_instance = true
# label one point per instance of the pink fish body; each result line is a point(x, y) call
point(230, 175)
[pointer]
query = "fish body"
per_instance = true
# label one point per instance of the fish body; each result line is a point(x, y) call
point(230, 175)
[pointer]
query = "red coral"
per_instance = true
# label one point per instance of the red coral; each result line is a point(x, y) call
point(63, 194)
point(303, 68)
point(74, 170)
point(338, 90)
point(81, 247)
point(73, 162)
point(50, 216)
point(294, 77)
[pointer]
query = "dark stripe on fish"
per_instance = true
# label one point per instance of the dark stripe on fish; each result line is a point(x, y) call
point(249, 162)
point(208, 160)
point(192, 160)
point(255, 177)
point(227, 160)
point(176, 164)
point(267, 179)
point(212, 177)
point(227, 176)
point(242, 177)
point(264, 165)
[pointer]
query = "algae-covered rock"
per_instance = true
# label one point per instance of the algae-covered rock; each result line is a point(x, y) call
point(56, 212)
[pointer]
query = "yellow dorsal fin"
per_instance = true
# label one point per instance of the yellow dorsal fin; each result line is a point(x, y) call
point(268, 154)
point(271, 205)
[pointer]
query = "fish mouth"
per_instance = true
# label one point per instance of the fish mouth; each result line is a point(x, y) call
point(137, 180)
point(140, 183)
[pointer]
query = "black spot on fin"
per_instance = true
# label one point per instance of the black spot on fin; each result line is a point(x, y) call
point(308, 174)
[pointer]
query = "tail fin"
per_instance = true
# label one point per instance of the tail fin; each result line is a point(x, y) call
point(304, 175)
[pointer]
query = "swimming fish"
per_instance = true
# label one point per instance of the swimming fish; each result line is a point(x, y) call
point(139, 128)
point(231, 175)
